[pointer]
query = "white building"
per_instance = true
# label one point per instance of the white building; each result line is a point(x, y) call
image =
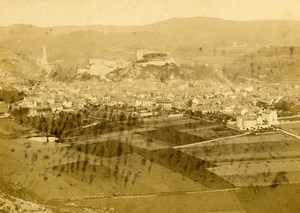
point(164, 103)
point(229, 109)
point(139, 55)
point(67, 104)
point(254, 122)
point(145, 103)
point(249, 122)
point(270, 117)
point(51, 101)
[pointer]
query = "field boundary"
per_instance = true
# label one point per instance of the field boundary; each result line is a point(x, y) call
point(209, 141)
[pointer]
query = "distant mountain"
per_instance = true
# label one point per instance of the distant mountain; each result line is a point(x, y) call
point(205, 31)
point(21, 32)
point(74, 45)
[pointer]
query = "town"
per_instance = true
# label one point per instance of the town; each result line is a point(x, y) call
point(245, 106)
point(183, 115)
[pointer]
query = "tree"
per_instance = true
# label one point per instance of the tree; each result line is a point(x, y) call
point(224, 52)
point(190, 103)
point(19, 113)
point(284, 105)
point(262, 104)
point(252, 69)
point(291, 49)
point(280, 178)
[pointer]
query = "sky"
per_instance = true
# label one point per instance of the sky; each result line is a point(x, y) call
point(140, 12)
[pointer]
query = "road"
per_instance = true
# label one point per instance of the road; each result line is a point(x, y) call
point(209, 141)
point(291, 134)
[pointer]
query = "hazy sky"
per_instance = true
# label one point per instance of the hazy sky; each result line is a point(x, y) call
point(136, 12)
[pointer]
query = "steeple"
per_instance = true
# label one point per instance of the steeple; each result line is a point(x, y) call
point(43, 63)
point(44, 60)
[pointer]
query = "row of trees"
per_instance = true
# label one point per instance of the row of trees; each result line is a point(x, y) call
point(218, 117)
point(281, 106)
point(71, 123)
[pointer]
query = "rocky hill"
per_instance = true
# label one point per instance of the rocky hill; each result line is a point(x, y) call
point(136, 71)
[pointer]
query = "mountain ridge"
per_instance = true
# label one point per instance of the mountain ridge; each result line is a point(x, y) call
point(74, 45)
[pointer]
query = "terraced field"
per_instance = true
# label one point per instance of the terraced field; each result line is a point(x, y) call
point(259, 160)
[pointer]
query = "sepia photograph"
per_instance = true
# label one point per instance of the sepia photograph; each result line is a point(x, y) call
point(149, 106)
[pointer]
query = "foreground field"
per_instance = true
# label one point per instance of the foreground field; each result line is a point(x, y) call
point(140, 170)
point(292, 127)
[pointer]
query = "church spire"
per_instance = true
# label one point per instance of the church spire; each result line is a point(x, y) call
point(44, 59)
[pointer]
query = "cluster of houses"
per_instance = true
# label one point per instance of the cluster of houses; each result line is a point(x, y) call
point(8, 78)
point(40, 106)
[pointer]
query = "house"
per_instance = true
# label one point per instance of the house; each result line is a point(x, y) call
point(270, 117)
point(56, 108)
point(195, 102)
point(92, 100)
point(116, 102)
point(33, 113)
point(106, 98)
point(229, 110)
point(164, 103)
point(51, 101)
point(252, 122)
point(145, 103)
point(31, 104)
point(67, 104)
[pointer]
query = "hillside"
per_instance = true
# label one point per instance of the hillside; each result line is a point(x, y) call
point(14, 65)
point(182, 37)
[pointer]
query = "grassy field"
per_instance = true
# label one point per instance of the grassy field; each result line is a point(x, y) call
point(223, 201)
point(253, 159)
point(282, 198)
point(292, 127)
point(58, 171)
point(10, 129)
point(130, 171)
point(245, 151)
point(127, 175)
point(189, 133)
